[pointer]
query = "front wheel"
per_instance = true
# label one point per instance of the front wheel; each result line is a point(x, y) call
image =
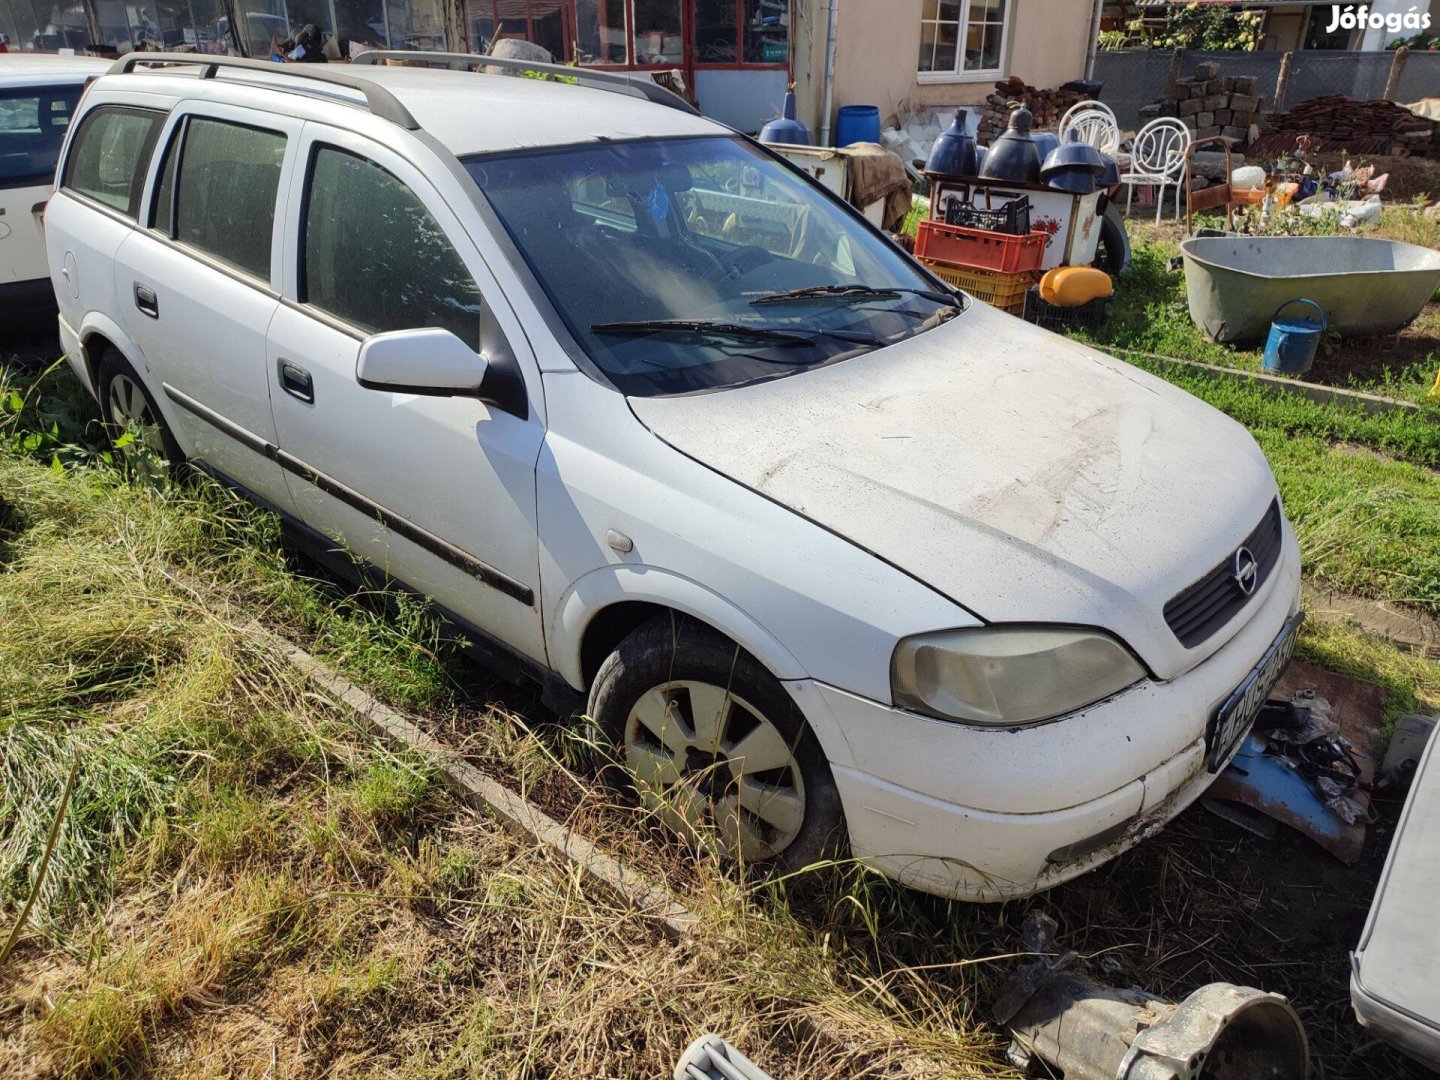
point(710, 742)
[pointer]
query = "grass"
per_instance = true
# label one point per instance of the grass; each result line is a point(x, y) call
point(1367, 524)
point(245, 883)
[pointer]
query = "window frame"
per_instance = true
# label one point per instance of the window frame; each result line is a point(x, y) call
point(139, 184)
point(316, 145)
point(961, 74)
point(176, 137)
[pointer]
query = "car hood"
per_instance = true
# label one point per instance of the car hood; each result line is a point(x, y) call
point(1026, 477)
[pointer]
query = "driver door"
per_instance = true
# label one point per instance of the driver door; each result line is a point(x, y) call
point(438, 492)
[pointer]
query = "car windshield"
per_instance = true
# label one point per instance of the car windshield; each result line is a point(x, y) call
point(693, 264)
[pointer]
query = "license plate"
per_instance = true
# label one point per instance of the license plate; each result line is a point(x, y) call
point(1232, 721)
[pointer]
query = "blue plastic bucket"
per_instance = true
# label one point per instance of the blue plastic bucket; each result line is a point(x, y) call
point(857, 123)
point(1290, 349)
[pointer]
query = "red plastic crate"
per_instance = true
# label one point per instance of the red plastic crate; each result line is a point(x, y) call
point(980, 249)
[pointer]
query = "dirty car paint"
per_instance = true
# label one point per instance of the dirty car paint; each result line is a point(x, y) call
point(1026, 477)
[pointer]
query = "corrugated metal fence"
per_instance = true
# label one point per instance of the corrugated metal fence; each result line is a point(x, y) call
point(1136, 77)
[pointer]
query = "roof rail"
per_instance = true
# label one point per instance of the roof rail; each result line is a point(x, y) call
point(381, 101)
point(614, 81)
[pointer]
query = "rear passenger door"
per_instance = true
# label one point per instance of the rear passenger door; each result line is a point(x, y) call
point(438, 492)
point(98, 204)
point(196, 285)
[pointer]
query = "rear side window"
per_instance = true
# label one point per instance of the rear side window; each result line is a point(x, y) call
point(222, 191)
point(374, 256)
point(110, 155)
point(33, 122)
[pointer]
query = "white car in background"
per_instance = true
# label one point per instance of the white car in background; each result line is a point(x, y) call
point(38, 97)
point(829, 553)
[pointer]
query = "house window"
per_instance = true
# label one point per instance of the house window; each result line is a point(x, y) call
point(602, 35)
point(963, 37)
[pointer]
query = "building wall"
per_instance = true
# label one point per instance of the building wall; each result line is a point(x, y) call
point(878, 45)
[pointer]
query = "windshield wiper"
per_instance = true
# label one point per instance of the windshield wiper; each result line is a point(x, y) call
point(851, 292)
point(701, 328)
point(708, 328)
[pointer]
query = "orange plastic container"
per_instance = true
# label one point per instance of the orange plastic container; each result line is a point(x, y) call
point(1004, 291)
point(980, 249)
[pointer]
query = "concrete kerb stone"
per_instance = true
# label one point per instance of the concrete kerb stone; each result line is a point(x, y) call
point(1328, 395)
point(480, 792)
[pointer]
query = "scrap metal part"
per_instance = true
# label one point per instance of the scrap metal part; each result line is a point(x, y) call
point(1220, 1032)
point(1094, 1032)
point(712, 1058)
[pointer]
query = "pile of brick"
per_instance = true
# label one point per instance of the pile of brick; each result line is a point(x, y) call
point(1214, 106)
point(1336, 122)
point(1047, 106)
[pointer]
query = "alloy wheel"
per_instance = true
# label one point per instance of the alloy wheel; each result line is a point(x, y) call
point(704, 759)
point(129, 410)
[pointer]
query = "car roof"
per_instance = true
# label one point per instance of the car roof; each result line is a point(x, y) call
point(475, 113)
point(34, 69)
point(466, 111)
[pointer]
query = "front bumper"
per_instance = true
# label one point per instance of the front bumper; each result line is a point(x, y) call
point(988, 814)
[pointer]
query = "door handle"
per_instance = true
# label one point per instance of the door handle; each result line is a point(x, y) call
point(296, 381)
point(145, 300)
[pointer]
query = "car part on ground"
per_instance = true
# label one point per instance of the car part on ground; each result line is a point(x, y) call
point(1408, 740)
point(1093, 1032)
point(712, 1058)
point(1270, 785)
point(1393, 984)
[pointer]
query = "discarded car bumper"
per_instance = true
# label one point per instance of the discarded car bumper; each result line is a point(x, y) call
point(990, 814)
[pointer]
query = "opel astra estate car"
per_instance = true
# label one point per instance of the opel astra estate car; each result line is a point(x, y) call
point(833, 557)
point(38, 96)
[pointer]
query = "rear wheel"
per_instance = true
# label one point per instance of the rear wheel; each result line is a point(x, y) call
point(127, 407)
point(711, 743)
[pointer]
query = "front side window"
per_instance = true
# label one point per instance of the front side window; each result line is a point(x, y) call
point(962, 37)
point(374, 256)
point(110, 154)
point(224, 192)
point(692, 264)
point(33, 122)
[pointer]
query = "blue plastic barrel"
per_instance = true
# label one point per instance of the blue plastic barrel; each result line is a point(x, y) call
point(1290, 349)
point(857, 123)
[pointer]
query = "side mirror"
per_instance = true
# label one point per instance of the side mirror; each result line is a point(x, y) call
point(429, 361)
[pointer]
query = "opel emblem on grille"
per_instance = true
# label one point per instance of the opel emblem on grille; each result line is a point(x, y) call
point(1245, 571)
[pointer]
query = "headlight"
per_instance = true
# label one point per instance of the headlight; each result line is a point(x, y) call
point(1009, 675)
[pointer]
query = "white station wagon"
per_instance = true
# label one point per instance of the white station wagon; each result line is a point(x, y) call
point(835, 557)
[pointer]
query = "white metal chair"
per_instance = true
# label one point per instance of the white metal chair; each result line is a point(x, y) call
point(1091, 122)
point(1157, 160)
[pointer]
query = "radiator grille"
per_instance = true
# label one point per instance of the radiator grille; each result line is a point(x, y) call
point(1204, 607)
